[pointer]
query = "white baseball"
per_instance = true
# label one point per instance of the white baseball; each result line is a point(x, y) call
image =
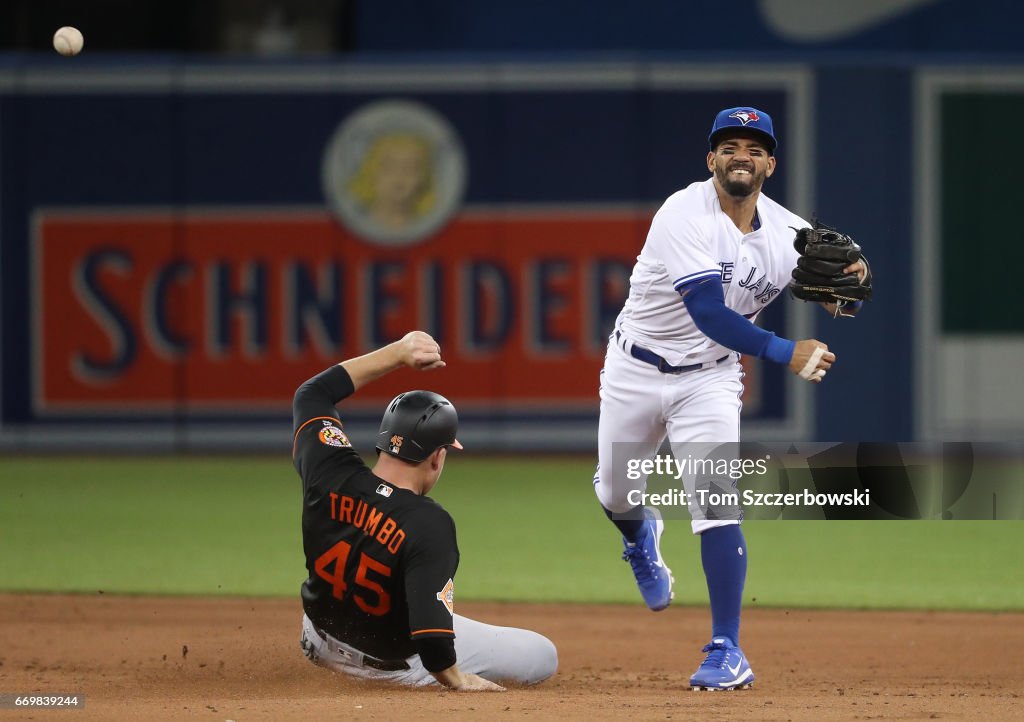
point(68, 40)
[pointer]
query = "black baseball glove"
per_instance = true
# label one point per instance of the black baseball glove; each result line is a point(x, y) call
point(818, 276)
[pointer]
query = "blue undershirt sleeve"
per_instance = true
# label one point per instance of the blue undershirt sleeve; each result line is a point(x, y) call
point(705, 300)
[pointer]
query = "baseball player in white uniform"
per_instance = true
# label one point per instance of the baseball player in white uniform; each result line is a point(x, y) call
point(717, 253)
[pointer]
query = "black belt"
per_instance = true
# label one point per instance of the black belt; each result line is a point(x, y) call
point(384, 665)
point(647, 356)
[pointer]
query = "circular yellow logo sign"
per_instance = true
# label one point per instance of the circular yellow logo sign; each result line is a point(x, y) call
point(394, 172)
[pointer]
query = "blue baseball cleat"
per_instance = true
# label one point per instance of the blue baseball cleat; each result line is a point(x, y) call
point(652, 576)
point(725, 667)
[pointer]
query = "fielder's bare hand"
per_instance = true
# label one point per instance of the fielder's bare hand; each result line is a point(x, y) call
point(419, 350)
point(860, 268)
point(811, 360)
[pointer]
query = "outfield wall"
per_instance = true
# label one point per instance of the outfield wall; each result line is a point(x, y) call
point(181, 243)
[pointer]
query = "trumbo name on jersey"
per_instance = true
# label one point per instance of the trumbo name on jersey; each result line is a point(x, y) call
point(346, 510)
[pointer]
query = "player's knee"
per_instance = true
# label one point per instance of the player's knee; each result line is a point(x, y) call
point(545, 660)
point(617, 501)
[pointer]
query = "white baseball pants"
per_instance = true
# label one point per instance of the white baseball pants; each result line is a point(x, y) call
point(498, 654)
point(640, 406)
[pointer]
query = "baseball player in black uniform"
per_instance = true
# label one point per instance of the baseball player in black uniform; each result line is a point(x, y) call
point(381, 555)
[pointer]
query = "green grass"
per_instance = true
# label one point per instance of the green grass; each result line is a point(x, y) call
point(528, 530)
point(151, 525)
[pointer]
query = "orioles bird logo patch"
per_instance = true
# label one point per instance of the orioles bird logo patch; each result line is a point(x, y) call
point(333, 436)
point(447, 596)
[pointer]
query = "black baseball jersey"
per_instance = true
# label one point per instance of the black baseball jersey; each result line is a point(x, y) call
point(381, 559)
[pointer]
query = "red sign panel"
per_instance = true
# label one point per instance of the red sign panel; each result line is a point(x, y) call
point(230, 312)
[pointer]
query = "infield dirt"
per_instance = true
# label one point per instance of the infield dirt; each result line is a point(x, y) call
point(160, 658)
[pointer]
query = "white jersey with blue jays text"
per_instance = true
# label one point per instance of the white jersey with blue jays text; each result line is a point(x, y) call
point(690, 239)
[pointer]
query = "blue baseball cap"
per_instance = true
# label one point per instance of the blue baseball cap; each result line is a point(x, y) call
point(744, 118)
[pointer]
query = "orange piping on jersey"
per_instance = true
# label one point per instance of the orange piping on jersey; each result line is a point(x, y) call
point(298, 430)
point(424, 631)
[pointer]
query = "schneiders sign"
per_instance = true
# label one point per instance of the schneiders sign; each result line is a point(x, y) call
point(194, 308)
point(229, 309)
point(212, 307)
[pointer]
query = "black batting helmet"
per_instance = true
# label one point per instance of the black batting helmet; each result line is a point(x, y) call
point(416, 424)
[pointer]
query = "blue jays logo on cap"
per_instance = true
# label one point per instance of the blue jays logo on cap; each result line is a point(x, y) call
point(747, 118)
